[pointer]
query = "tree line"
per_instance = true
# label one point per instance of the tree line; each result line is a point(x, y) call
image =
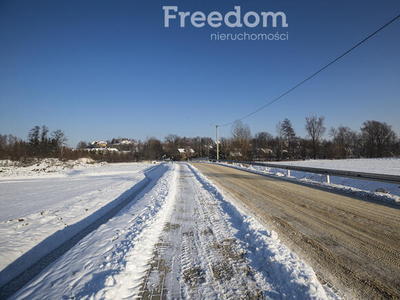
point(40, 144)
point(375, 139)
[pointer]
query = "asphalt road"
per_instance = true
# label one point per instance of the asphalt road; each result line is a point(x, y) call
point(352, 243)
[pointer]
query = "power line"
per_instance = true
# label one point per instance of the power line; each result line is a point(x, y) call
point(313, 75)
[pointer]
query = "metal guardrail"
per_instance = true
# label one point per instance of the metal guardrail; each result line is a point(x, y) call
point(386, 178)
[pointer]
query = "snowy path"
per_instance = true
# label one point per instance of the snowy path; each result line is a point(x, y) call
point(198, 247)
point(209, 250)
point(181, 239)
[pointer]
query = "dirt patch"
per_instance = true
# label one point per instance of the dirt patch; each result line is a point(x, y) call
point(188, 233)
point(207, 231)
point(194, 276)
point(169, 226)
point(222, 270)
point(228, 251)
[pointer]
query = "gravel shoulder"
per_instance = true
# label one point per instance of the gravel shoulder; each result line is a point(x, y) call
point(352, 243)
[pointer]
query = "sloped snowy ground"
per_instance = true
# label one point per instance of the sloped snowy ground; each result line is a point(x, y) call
point(179, 239)
point(378, 190)
point(44, 205)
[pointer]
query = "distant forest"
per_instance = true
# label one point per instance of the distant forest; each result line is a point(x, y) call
point(375, 139)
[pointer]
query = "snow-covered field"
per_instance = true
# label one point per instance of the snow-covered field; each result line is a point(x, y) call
point(378, 190)
point(43, 205)
point(179, 237)
point(389, 166)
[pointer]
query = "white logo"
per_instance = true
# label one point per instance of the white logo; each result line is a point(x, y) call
point(231, 19)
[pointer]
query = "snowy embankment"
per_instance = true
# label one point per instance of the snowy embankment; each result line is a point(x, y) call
point(180, 239)
point(45, 204)
point(378, 190)
point(43, 167)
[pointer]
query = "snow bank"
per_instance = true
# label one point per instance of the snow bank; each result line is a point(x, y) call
point(43, 167)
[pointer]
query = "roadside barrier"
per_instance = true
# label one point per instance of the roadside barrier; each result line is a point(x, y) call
point(393, 179)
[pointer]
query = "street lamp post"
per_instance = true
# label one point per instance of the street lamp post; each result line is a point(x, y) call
point(217, 143)
point(216, 127)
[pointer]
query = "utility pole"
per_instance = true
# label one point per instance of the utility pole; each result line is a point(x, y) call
point(217, 143)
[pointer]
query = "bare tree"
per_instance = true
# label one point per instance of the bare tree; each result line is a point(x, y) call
point(3, 142)
point(154, 149)
point(81, 145)
point(241, 136)
point(11, 147)
point(262, 144)
point(58, 141)
point(345, 141)
point(315, 129)
point(171, 146)
point(378, 138)
point(59, 138)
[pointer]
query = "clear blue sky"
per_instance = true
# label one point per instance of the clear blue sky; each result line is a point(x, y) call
point(104, 69)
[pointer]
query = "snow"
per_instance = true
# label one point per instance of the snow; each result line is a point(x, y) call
point(389, 166)
point(43, 167)
point(44, 205)
point(378, 190)
point(179, 236)
point(111, 261)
